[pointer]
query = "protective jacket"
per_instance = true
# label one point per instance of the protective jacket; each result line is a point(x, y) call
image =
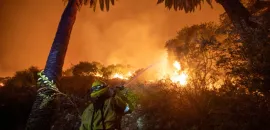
point(105, 113)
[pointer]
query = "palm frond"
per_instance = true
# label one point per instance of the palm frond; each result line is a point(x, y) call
point(186, 5)
point(169, 3)
point(80, 2)
point(175, 4)
point(181, 4)
point(160, 1)
point(86, 2)
point(101, 4)
point(210, 3)
point(112, 1)
point(93, 3)
point(107, 3)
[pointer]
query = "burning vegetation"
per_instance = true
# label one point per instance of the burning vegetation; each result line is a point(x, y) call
point(177, 76)
point(208, 78)
point(164, 71)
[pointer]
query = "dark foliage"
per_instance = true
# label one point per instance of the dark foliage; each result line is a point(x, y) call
point(197, 109)
point(186, 5)
point(16, 103)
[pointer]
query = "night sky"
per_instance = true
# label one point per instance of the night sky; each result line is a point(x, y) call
point(132, 32)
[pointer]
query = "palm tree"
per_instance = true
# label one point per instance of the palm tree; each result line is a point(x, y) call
point(44, 105)
point(237, 13)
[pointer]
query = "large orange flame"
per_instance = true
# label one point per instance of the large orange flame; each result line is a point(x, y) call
point(179, 76)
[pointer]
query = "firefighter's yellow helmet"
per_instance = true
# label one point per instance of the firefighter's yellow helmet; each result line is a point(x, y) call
point(98, 88)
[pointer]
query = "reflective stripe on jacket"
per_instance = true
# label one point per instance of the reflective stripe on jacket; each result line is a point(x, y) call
point(113, 110)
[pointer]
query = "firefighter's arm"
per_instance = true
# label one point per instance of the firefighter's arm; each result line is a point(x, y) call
point(123, 103)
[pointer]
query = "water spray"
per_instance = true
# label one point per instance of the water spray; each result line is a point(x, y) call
point(140, 73)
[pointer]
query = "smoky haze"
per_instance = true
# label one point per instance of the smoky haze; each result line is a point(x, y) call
point(132, 32)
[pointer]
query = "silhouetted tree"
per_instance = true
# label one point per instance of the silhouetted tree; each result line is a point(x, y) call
point(248, 59)
point(86, 68)
point(238, 14)
point(25, 78)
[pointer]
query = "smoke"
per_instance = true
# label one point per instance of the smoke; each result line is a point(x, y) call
point(132, 32)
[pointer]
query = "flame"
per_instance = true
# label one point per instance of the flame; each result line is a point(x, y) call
point(177, 77)
point(176, 64)
point(173, 72)
point(121, 76)
point(2, 84)
point(129, 74)
point(180, 78)
point(98, 75)
point(117, 75)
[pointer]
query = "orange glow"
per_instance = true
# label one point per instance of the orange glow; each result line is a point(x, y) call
point(177, 77)
point(129, 74)
point(106, 37)
point(163, 70)
point(2, 84)
point(121, 76)
point(174, 71)
point(117, 75)
point(176, 64)
point(98, 75)
point(180, 78)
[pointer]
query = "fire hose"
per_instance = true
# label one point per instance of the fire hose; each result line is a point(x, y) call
point(122, 87)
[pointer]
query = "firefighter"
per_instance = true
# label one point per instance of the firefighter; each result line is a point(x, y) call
point(106, 110)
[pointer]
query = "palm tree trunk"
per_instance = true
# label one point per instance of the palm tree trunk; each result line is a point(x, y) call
point(41, 117)
point(238, 14)
point(55, 61)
